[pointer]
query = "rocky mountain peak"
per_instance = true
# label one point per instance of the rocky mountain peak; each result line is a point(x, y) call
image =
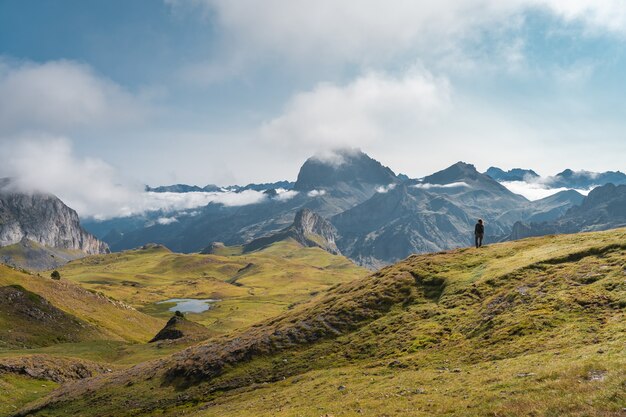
point(604, 194)
point(515, 174)
point(343, 166)
point(308, 228)
point(458, 172)
point(308, 222)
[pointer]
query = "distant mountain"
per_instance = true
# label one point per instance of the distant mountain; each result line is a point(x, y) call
point(308, 229)
point(45, 220)
point(604, 208)
point(391, 226)
point(586, 179)
point(379, 217)
point(433, 214)
point(212, 188)
point(543, 210)
point(326, 188)
point(285, 185)
point(515, 174)
point(346, 167)
point(176, 188)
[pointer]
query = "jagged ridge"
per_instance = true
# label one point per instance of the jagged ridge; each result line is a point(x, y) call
point(308, 229)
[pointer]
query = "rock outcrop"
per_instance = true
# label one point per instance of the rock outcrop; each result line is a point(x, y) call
point(46, 220)
point(178, 327)
point(308, 228)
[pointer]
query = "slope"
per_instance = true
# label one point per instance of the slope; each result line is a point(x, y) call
point(525, 328)
point(28, 320)
point(112, 319)
point(604, 208)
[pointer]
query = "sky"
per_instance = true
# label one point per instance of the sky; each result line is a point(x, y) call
point(109, 95)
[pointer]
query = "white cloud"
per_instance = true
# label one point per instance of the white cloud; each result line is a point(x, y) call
point(428, 186)
point(284, 195)
point(375, 31)
point(60, 95)
point(166, 220)
point(316, 193)
point(385, 189)
point(357, 114)
point(535, 190)
point(94, 188)
point(48, 164)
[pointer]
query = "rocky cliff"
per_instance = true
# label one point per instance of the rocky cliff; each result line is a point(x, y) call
point(46, 220)
point(308, 228)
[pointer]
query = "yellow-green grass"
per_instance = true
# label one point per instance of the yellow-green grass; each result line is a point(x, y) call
point(528, 328)
point(113, 320)
point(581, 382)
point(115, 354)
point(18, 390)
point(252, 287)
point(29, 320)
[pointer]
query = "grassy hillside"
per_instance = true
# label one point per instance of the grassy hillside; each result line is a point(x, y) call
point(107, 319)
point(251, 287)
point(534, 327)
point(29, 320)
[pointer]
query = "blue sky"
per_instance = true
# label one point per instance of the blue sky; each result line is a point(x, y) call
point(217, 91)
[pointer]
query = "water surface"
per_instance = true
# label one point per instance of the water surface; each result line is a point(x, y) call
point(190, 305)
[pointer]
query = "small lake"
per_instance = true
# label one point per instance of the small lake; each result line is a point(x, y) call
point(190, 305)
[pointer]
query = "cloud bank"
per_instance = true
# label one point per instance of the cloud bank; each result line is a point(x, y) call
point(535, 190)
point(95, 189)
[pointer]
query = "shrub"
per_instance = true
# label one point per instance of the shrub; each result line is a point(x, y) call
point(55, 275)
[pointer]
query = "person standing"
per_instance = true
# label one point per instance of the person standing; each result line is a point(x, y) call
point(479, 233)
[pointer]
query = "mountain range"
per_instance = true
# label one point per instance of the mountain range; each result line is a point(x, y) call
point(580, 180)
point(604, 208)
point(366, 212)
point(377, 217)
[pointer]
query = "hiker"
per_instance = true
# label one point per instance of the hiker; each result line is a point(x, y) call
point(479, 233)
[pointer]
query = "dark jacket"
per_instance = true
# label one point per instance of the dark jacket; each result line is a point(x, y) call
point(479, 229)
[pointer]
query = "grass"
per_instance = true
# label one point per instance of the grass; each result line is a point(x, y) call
point(16, 391)
point(529, 328)
point(252, 287)
point(28, 320)
point(112, 319)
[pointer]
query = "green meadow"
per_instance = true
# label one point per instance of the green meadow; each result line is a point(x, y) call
point(528, 328)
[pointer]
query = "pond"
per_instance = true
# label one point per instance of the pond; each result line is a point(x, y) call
point(190, 305)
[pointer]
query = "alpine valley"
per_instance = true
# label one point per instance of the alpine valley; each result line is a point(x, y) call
point(351, 291)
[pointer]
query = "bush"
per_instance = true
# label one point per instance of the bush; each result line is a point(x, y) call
point(55, 275)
